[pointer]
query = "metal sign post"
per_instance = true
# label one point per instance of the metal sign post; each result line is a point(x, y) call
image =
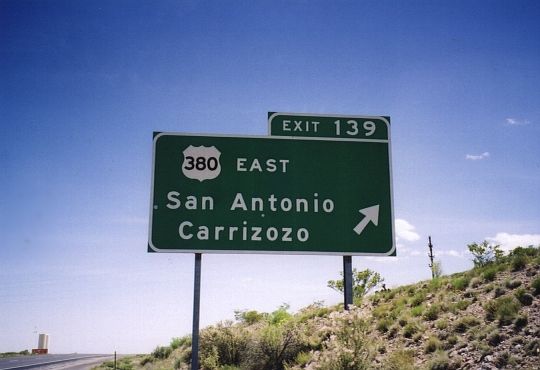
point(196, 313)
point(347, 282)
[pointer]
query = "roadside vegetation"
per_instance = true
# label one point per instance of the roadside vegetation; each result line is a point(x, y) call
point(13, 354)
point(487, 317)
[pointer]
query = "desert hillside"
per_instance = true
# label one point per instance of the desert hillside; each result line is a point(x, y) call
point(485, 318)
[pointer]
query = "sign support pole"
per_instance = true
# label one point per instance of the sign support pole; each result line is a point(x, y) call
point(347, 282)
point(196, 312)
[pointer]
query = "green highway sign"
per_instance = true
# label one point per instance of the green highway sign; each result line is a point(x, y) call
point(261, 194)
point(345, 127)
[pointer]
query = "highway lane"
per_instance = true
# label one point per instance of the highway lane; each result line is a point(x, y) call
point(72, 361)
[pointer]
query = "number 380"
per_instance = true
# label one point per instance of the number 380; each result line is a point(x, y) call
point(201, 163)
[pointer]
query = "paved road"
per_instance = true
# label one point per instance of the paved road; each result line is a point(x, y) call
point(53, 362)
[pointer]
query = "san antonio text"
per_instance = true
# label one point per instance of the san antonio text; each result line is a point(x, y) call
point(187, 230)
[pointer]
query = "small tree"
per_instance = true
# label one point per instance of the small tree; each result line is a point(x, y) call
point(485, 253)
point(363, 282)
point(437, 269)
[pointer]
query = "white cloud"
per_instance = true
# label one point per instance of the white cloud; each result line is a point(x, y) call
point(451, 253)
point(516, 122)
point(405, 231)
point(478, 157)
point(510, 241)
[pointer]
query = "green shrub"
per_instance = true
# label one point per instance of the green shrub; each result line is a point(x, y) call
point(280, 315)
point(409, 330)
point(507, 310)
point(401, 301)
point(384, 324)
point(392, 332)
point(442, 335)
point(523, 297)
point(249, 317)
point(302, 358)
point(484, 253)
point(348, 348)
point(519, 262)
point(521, 322)
point(389, 295)
point(451, 341)
point(402, 321)
point(210, 359)
point(400, 360)
point(475, 282)
point(417, 311)
point(432, 345)
point(502, 360)
point(461, 283)
point(146, 360)
point(435, 284)
point(440, 361)
point(363, 282)
point(271, 347)
point(121, 364)
point(444, 305)
point(382, 311)
point(178, 363)
point(181, 342)
point(489, 274)
point(463, 304)
point(466, 322)
point(432, 313)
point(417, 299)
point(416, 338)
point(533, 348)
point(482, 347)
point(161, 353)
point(494, 338)
point(536, 285)
point(512, 284)
point(224, 344)
point(499, 291)
point(314, 310)
point(504, 309)
point(441, 324)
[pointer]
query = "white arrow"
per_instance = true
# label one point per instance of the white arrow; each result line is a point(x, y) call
point(372, 214)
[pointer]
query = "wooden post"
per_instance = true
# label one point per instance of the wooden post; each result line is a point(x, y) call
point(430, 255)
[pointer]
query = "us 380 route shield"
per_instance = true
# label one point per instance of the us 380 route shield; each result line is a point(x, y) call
point(307, 195)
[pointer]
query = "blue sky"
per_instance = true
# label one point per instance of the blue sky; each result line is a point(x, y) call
point(83, 84)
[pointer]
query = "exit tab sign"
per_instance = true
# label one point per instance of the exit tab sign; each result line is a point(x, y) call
point(345, 127)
